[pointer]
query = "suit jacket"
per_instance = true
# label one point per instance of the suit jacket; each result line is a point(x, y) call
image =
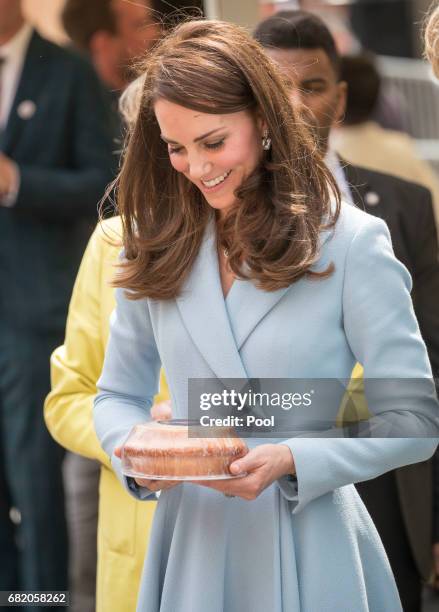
point(407, 209)
point(75, 368)
point(266, 554)
point(64, 155)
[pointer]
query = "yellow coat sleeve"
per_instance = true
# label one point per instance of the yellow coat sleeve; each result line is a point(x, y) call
point(77, 365)
point(354, 406)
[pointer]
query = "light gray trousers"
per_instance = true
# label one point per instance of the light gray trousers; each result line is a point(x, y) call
point(81, 483)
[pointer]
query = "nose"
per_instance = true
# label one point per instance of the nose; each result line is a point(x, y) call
point(198, 166)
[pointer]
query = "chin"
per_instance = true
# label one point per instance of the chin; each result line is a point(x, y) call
point(220, 206)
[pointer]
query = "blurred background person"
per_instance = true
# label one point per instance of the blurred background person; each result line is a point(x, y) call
point(55, 161)
point(103, 576)
point(116, 32)
point(362, 141)
point(112, 33)
point(304, 48)
point(390, 28)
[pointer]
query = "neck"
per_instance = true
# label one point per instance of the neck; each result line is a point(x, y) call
point(8, 33)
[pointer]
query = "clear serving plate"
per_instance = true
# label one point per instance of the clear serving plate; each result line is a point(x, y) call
point(133, 474)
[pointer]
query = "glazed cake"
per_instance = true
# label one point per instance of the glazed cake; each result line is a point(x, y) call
point(166, 450)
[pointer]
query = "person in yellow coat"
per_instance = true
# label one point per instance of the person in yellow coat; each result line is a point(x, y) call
point(124, 523)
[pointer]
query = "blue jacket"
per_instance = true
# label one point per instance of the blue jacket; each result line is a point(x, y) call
point(308, 546)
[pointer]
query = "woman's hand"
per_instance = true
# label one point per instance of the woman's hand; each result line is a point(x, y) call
point(162, 411)
point(157, 485)
point(263, 464)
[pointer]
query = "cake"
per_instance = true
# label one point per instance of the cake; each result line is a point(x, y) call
point(166, 449)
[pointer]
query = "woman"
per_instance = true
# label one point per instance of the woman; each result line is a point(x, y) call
point(237, 264)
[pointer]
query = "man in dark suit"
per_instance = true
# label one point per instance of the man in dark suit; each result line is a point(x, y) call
point(55, 161)
point(400, 502)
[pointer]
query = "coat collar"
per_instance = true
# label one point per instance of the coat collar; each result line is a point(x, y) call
point(358, 187)
point(203, 309)
point(219, 327)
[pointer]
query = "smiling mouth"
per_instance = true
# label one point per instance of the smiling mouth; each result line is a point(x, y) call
point(216, 181)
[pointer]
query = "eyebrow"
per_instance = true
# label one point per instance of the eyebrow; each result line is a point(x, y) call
point(167, 140)
point(314, 79)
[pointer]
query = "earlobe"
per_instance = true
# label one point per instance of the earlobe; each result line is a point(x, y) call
point(261, 124)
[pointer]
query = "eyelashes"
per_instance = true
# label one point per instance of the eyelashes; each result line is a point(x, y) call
point(214, 145)
point(211, 146)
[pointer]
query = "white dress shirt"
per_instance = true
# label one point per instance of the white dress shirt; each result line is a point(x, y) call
point(333, 162)
point(13, 53)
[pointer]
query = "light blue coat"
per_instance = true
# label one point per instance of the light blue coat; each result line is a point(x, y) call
point(310, 548)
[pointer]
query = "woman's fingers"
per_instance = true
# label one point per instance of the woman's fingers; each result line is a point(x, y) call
point(162, 411)
point(156, 485)
point(247, 487)
point(250, 462)
point(149, 484)
point(263, 465)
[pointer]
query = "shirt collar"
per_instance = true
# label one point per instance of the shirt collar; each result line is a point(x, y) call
point(17, 46)
point(333, 162)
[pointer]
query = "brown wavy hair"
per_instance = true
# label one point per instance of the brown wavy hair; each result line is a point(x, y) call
point(215, 67)
point(431, 38)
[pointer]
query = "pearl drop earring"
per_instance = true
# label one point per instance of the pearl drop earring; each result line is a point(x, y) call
point(266, 141)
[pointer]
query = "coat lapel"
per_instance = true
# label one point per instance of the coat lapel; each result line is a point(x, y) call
point(31, 82)
point(202, 307)
point(247, 306)
point(358, 186)
point(365, 195)
point(220, 327)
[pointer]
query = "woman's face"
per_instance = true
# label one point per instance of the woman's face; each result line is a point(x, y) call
point(215, 152)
